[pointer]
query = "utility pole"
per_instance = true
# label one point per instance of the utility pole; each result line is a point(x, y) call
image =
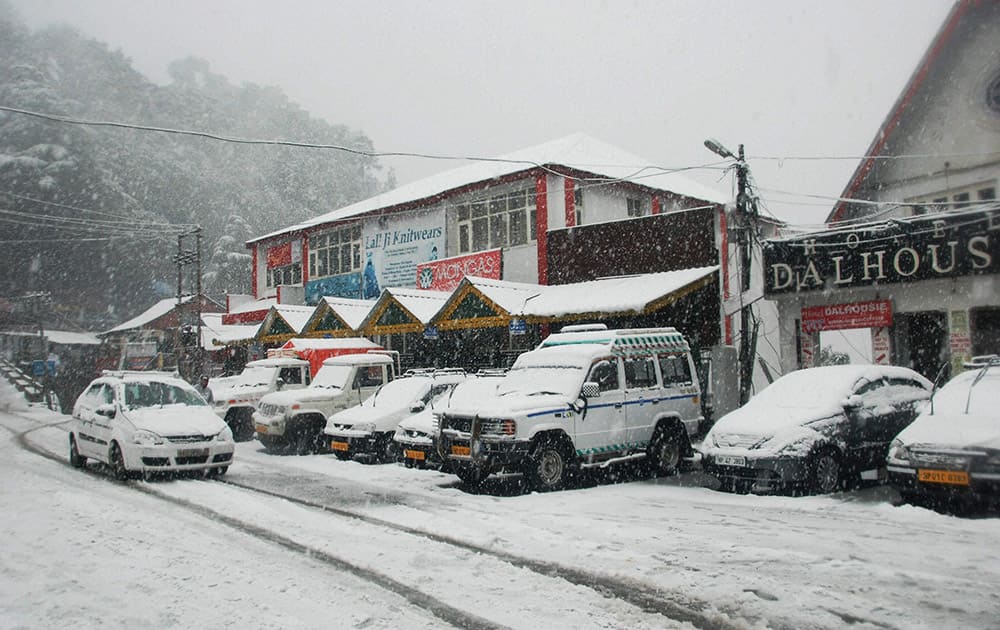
point(746, 229)
point(183, 258)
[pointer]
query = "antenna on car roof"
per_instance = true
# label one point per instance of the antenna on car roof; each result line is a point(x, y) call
point(990, 362)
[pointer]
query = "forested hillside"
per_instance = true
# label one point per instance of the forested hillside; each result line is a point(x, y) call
point(91, 213)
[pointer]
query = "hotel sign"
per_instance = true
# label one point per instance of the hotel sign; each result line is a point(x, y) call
point(907, 250)
point(873, 314)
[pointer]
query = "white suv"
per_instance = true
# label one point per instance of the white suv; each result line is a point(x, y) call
point(586, 396)
point(148, 422)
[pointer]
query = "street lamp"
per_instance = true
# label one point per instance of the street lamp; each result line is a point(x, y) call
point(746, 224)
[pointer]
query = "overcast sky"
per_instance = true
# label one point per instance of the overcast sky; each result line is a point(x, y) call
point(788, 78)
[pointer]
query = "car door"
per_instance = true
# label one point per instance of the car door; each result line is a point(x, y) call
point(868, 419)
point(84, 412)
point(602, 427)
point(643, 397)
point(102, 426)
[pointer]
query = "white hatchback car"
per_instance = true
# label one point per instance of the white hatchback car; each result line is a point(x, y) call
point(140, 423)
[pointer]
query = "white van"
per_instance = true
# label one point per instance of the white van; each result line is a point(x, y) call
point(586, 396)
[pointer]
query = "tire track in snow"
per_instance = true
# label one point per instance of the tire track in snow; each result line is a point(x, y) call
point(445, 612)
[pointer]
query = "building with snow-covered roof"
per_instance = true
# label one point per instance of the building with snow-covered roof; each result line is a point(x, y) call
point(912, 250)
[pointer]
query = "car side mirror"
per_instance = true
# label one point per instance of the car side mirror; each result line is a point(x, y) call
point(106, 410)
point(590, 390)
point(278, 384)
point(417, 406)
point(852, 402)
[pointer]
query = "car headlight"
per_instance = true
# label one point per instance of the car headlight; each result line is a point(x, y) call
point(898, 451)
point(147, 438)
point(225, 435)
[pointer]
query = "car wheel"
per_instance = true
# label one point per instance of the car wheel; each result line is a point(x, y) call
point(548, 465)
point(665, 452)
point(303, 441)
point(76, 460)
point(826, 472)
point(470, 475)
point(117, 461)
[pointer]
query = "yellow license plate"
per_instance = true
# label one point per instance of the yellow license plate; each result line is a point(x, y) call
point(408, 454)
point(340, 446)
point(261, 428)
point(951, 477)
point(464, 451)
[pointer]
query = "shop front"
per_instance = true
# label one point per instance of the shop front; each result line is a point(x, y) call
point(927, 288)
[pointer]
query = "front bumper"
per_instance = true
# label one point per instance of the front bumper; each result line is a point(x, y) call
point(487, 453)
point(269, 425)
point(954, 485)
point(352, 442)
point(171, 457)
point(760, 474)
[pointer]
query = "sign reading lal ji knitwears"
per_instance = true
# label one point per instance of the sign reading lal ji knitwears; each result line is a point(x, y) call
point(871, 314)
point(941, 245)
point(447, 273)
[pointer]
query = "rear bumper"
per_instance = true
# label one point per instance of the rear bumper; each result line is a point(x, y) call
point(760, 475)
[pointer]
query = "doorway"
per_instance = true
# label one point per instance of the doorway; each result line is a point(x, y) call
point(921, 341)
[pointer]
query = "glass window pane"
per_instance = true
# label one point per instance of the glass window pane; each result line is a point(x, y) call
point(480, 235)
point(518, 230)
point(356, 252)
point(463, 238)
point(516, 199)
point(345, 257)
point(532, 225)
point(478, 210)
point(498, 230)
point(498, 205)
point(334, 262)
point(356, 232)
point(463, 213)
point(312, 264)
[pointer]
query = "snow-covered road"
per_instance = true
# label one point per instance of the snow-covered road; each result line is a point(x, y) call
point(420, 551)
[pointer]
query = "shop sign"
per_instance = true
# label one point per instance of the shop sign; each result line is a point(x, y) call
point(901, 250)
point(395, 245)
point(517, 327)
point(871, 314)
point(446, 274)
point(880, 346)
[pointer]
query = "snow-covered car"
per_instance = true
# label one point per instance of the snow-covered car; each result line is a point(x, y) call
point(417, 434)
point(814, 429)
point(148, 422)
point(951, 452)
point(237, 402)
point(368, 429)
point(293, 420)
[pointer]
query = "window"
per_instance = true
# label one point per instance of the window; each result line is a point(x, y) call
point(289, 274)
point(675, 369)
point(961, 200)
point(953, 199)
point(290, 375)
point(605, 374)
point(635, 207)
point(501, 221)
point(335, 252)
point(369, 376)
point(639, 373)
point(578, 205)
point(987, 194)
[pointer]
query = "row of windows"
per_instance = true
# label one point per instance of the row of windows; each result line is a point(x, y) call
point(502, 221)
point(335, 252)
point(289, 274)
point(640, 372)
point(955, 200)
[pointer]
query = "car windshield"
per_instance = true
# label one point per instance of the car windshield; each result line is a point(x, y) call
point(983, 397)
point(253, 376)
point(399, 393)
point(139, 394)
point(534, 379)
point(332, 376)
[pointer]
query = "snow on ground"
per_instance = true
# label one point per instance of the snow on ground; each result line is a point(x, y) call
point(82, 547)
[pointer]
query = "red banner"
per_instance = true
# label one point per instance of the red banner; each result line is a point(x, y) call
point(871, 314)
point(279, 256)
point(446, 274)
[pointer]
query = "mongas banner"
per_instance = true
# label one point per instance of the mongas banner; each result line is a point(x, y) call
point(446, 274)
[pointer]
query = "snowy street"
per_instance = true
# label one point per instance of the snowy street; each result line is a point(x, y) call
point(288, 541)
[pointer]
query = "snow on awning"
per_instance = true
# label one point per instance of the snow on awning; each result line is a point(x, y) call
point(484, 303)
point(403, 310)
point(338, 317)
point(215, 335)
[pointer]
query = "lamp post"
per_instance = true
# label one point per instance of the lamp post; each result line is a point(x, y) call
point(747, 221)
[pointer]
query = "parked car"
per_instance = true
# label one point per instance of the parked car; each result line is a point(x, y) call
point(951, 452)
point(148, 422)
point(417, 434)
point(237, 402)
point(586, 397)
point(814, 429)
point(368, 429)
point(293, 420)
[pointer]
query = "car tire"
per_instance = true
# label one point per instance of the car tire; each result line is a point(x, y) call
point(342, 455)
point(117, 462)
point(548, 465)
point(76, 460)
point(302, 442)
point(665, 452)
point(825, 472)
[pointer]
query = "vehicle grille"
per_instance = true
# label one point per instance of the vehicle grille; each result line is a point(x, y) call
point(737, 440)
point(267, 409)
point(188, 439)
point(200, 459)
point(940, 460)
point(456, 423)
